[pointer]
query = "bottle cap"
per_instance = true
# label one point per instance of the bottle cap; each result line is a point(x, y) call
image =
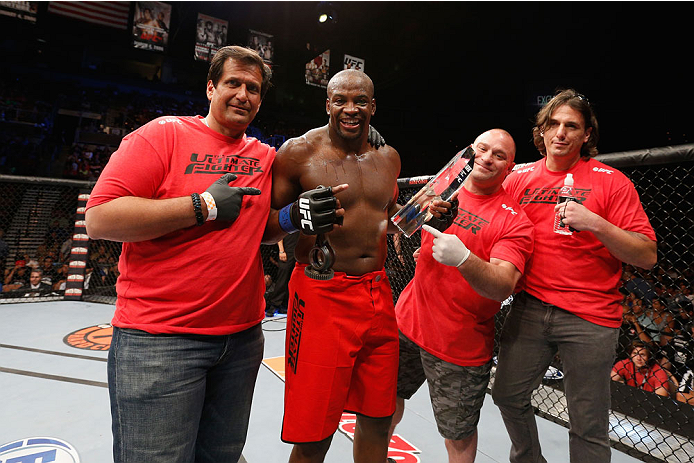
point(569, 180)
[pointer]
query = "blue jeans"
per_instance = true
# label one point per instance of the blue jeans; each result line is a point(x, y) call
point(533, 333)
point(181, 398)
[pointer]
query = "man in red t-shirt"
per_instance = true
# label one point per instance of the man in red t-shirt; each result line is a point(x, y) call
point(187, 346)
point(570, 303)
point(638, 371)
point(446, 313)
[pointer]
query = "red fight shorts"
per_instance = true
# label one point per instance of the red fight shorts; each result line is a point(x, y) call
point(341, 352)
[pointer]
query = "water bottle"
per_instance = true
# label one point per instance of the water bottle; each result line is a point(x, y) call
point(566, 193)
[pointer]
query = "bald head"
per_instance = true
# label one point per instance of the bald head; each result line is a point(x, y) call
point(495, 151)
point(351, 78)
point(502, 139)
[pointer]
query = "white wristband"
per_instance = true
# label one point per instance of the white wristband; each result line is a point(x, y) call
point(465, 257)
point(211, 205)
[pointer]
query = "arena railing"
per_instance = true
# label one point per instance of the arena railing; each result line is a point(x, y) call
point(41, 217)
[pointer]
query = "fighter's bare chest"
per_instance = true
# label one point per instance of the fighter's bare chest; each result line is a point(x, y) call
point(369, 177)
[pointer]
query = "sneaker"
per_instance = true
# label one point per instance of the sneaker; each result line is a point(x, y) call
point(390, 460)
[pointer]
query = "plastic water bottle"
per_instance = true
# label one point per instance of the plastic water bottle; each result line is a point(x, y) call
point(566, 194)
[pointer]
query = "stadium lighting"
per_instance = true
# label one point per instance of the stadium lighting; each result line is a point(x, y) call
point(326, 13)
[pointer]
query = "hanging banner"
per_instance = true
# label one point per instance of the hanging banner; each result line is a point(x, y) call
point(352, 62)
point(109, 14)
point(262, 43)
point(20, 10)
point(210, 37)
point(151, 25)
point(317, 70)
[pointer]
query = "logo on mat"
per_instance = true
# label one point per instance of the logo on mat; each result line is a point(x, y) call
point(297, 323)
point(97, 337)
point(34, 449)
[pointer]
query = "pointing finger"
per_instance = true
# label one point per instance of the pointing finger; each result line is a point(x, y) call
point(339, 188)
point(432, 230)
point(249, 191)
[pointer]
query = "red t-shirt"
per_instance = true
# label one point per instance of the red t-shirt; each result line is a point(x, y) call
point(202, 280)
point(438, 309)
point(577, 272)
point(650, 380)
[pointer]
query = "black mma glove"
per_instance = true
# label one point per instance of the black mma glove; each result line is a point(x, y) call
point(445, 221)
point(313, 213)
point(226, 200)
point(375, 139)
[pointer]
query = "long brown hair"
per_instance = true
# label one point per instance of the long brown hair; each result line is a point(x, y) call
point(577, 102)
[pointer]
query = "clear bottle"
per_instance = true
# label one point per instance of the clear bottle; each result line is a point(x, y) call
point(566, 193)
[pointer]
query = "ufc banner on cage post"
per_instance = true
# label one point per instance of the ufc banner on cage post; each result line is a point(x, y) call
point(79, 253)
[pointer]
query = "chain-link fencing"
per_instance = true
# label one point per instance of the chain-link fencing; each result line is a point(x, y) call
point(41, 225)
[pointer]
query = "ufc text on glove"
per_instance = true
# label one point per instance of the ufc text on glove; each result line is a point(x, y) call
point(313, 213)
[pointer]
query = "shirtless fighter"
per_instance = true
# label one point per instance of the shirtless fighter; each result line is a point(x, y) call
point(342, 340)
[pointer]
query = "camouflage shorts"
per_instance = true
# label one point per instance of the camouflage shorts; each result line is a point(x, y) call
point(457, 393)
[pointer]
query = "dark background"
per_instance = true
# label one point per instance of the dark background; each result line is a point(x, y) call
point(443, 71)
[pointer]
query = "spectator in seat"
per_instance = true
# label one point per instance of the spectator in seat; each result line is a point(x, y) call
point(50, 275)
point(17, 277)
point(36, 287)
point(678, 355)
point(639, 371)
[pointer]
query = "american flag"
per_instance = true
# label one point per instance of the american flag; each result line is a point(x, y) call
point(111, 14)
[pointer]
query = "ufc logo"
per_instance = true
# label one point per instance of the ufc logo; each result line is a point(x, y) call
point(305, 212)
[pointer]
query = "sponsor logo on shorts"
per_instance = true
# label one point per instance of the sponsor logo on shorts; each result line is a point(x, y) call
point(38, 449)
point(548, 195)
point(222, 164)
point(297, 323)
point(97, 337)
point(470, 221)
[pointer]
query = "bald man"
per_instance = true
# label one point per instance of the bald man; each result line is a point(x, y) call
point(446, 313)
point(342, 339)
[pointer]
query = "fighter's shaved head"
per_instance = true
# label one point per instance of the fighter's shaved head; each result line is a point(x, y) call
point(351, 78)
